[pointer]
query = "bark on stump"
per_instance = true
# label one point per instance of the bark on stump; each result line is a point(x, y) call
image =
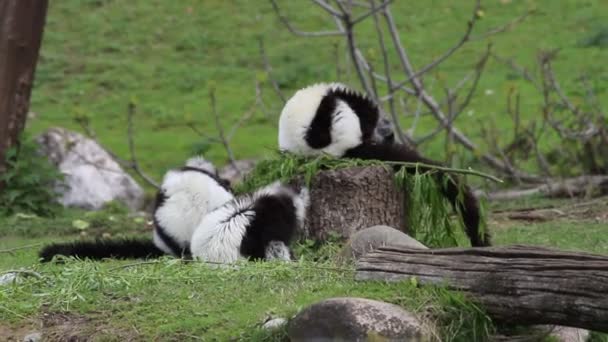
point(344, 201)
point(517, 284)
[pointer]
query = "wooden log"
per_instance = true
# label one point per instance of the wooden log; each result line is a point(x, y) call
point(516, 284)
point(344, 201)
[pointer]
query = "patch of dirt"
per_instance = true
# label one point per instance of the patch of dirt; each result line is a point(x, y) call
point(17, 332)
point(60, 326)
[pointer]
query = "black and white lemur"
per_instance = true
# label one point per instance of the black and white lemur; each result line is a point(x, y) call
point(330, 118)
point(187, 196)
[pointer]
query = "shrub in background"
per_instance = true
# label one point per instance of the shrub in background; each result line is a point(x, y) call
point(30, 182)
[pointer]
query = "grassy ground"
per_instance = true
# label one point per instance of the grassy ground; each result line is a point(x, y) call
point(172, 300)
point(98, 55)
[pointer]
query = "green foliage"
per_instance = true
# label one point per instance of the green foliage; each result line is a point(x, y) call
point(30, 182)
point(287, 166)
point(428, 213)
point(429, 218)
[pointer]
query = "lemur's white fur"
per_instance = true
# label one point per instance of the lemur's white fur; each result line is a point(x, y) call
point(190, 195)
point(201, 163)
point(300, 110)
point(219, 235)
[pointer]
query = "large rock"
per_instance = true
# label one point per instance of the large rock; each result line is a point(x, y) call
point(92, 177)
point(371, 238)
point(356, 319)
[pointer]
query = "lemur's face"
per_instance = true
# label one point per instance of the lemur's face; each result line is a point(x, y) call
point(384, 132)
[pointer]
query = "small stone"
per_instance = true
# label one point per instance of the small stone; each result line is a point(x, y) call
point(371, 238)
point(33, 337)
point(8, 278)
point(274, 323)
point(356, 319)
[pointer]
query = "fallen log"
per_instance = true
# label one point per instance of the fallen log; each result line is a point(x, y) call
point(516, 284)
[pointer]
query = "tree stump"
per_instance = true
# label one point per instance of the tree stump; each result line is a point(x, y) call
point(344, 201)
point(516, 284)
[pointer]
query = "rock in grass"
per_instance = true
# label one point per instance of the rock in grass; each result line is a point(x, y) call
point(33, 337)
point(371, 238)
point(8, 278)
point(92, 177)
point(356, 319)
point(568, 334)
point(274, 323)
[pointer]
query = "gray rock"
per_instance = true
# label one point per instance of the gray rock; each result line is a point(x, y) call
point(371, 238)
point(33, 337)
point(274, 323)
point(8, 278)
point(568, 334)
point(92, 177)
point(235, 174)
point(356, 319)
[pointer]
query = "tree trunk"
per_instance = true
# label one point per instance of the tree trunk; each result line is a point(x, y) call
point(517, 284)
point(347, 200)
point(21, 26)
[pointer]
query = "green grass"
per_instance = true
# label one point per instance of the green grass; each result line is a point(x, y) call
point(171, 299)
point(98, 55)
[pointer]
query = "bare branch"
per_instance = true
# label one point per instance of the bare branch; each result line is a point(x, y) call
point(329, 9)
point(134, 162)
point(297, 32)
point(519, 69)
point(372, 12)
point(451, 51)
point(220, 130)
point(502, 28)
point(268, 69)
point(387, 72)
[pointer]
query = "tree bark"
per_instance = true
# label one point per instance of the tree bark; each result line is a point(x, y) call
point(517, 284)
point(21, 27)
point(347, 200)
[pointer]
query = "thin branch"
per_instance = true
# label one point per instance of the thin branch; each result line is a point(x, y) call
point(12, 250)
point(387, 71)
point(297, 32)
point(134, 162)
point(519, 69)
point(372, 12)
point(220, 131)
point(502, 28)
point(448, 169)
point(328, 8)
point(268, 69)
